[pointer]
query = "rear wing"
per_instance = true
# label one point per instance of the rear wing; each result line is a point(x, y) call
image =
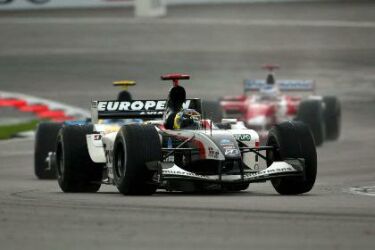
point(124, 84)
point(283, 85)
point(136, 109)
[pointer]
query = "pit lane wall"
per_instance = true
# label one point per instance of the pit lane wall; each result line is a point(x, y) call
point(60, 4)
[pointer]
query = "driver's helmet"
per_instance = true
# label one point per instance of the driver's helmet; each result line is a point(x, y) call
point(270, 80)
point(187, 119)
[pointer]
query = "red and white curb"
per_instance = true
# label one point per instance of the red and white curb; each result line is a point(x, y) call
point(42, 108)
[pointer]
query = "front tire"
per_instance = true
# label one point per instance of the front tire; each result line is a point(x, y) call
point(135, 145)
point(311, 113)
point(76, 172)
point(45, 142)
point(293, 140)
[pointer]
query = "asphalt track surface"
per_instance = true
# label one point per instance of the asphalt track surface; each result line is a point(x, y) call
point(73, 56)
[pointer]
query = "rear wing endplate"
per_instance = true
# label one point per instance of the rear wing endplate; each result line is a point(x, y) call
point(136, 109)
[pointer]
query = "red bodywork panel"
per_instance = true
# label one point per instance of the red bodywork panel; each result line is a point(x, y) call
point(260, 109)
point(292, 105)
point(247, 107)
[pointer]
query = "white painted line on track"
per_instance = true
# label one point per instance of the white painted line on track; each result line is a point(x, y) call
point(365, 190)
point(189, 21)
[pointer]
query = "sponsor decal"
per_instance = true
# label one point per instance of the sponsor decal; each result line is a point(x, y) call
point(225, 141)
point(296, 84)
point(254, 84)
point(269, 172)
point(170, 159)
point(228, 146)
point(256, 166)
point(242, 137)
point(231, 151)
point(137, 107)
point(170, 145)
point(283, 84)
point(213, 153)
point(111, 106)
point(182, 173)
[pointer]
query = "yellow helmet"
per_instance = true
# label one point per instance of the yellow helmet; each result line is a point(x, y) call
point(188, 119)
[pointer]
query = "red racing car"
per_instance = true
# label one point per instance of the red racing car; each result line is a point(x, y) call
point(268, 102)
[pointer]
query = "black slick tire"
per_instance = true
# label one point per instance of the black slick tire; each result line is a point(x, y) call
point(45, 142)
point(332, 117)
point(135, 145)
point(76, 172)
point(311, 113)
point(293, 140)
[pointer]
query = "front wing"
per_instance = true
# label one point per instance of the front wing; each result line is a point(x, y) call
point(278, 169)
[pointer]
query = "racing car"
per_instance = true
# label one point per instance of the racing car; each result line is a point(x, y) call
point(175, 149)
point(268, 102)
point(46, 134)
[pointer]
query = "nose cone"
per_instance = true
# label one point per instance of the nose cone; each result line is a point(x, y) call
point(227, 145)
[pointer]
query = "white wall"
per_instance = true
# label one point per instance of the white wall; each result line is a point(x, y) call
point(25, 4)
point(52, 4)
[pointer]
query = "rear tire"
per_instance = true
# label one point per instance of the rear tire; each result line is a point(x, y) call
point(332, 117)
point(45, 142)
point(293, 140)
point(311, 113)
point(76, 172)
point(135, 145)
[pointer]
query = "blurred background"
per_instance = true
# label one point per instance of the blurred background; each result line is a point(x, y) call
point(73, 54)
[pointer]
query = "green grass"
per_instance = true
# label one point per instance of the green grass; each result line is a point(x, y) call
point(9, 130)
